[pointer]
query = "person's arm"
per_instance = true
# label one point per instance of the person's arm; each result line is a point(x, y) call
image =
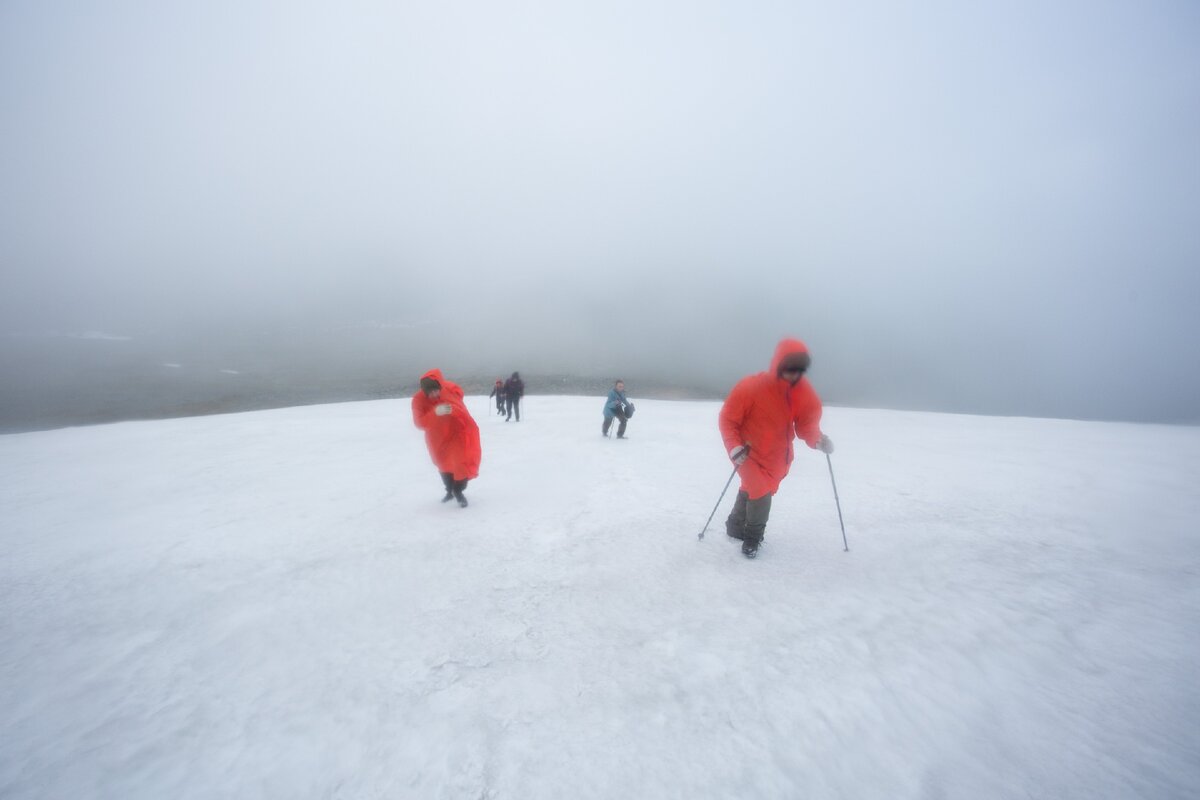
point(808, 421)
point(421, 409)
point(733, 415)
point(451, 403)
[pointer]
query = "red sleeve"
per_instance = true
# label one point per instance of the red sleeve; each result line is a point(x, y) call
point(422, 407)
point(808, 415)
point(453, 395)
point(733, 414)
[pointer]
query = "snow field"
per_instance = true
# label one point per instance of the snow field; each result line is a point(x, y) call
point(276, 604)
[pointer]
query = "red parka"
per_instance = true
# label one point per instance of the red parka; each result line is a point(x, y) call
point(452, 439)
point(765, 412)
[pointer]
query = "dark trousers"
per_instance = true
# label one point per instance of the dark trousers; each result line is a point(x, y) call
point(499, 404)
point(748, 519)
point(618, 414)
point(514, 404)
point(453, 488)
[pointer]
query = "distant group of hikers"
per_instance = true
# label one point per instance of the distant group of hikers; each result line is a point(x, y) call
point(760, 418)
point(508, 396)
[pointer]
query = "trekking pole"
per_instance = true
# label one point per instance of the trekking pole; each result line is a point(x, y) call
point(718, 505)
point(829, 461)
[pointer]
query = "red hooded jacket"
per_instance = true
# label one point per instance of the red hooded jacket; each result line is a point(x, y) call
point(764, 411)
point(452, 439)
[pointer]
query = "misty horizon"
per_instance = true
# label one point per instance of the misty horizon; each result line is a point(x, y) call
point(99, 376)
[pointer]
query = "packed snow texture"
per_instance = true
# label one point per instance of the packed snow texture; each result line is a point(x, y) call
point(276, 604)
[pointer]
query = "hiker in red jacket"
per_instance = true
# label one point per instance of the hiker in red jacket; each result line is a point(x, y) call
point(758, 422)
point(450, 433)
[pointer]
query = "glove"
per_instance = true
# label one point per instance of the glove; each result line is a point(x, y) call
point(738, 455)
point(443, 409)
point(825, 445)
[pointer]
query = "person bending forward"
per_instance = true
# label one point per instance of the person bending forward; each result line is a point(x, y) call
point(451, 434)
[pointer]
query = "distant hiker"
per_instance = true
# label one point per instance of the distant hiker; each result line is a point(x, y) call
point(618, 406)
point(758, 422)
point(498, 393)
point(450, 433)
point(514, 390)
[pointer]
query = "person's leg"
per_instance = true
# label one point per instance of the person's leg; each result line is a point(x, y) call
point(621, 428)
point(607, 424)
point(757, 512)
point(735, 523)
point(448, 482)
point(509, 403)
point(517, 407)
point(459, 488)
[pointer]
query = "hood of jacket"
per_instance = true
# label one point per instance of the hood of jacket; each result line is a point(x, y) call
point(785, 348)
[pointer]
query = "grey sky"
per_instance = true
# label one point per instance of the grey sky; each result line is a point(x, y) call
point(968, 206)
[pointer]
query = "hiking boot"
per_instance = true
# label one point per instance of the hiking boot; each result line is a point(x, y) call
point(449, 496)
point(749, 548)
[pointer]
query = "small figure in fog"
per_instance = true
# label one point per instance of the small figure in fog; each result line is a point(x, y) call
point(514, 390)
point(498, 393)
point(618, 407)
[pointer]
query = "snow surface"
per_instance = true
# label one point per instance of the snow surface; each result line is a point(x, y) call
point(276, 604)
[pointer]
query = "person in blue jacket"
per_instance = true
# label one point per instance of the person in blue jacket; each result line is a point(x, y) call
point(617, 406)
